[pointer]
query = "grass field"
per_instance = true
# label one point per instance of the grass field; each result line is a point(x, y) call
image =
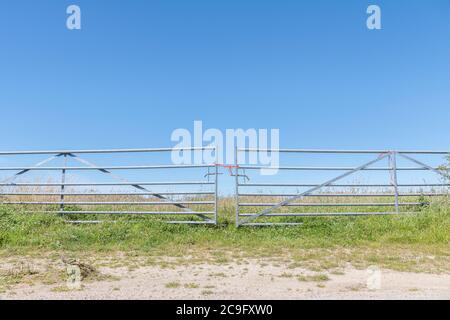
point(32, 245)
point(424, 233)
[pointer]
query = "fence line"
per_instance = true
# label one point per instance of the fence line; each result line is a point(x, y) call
point(164, 198)
point(298, 201)
point(194, 205)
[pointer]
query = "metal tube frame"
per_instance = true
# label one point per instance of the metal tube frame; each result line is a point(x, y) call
point(211, 216)
point(290, 199)
point(206, 216)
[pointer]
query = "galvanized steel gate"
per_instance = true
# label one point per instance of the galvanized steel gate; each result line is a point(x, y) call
point(192, 200)
point(315, 191)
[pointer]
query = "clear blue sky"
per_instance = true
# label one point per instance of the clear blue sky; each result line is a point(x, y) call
point(140, 69)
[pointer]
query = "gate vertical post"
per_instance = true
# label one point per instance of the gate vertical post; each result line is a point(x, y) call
point(63, 181)
point(216, 188)
point(394, 181)
point(236, 176)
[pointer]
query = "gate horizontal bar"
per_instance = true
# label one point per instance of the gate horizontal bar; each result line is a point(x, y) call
point(191, 222)
point(331, 204)
point(346, 195)
point(108, 168)
point(262, 224)
point(189, 213)
point(325, 214)
point(340, 185)
point(165, 203)
point(167, 183)
point(334, 168)
point(343, 151)
point(169, 222)
point(102, 194)
point(5, 153)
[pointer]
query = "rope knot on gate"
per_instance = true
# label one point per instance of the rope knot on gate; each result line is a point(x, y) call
point(230, 167)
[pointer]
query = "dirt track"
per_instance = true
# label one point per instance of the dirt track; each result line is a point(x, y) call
point(242, 281)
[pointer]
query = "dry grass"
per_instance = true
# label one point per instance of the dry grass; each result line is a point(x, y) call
point(226, 205)
point(404, 242)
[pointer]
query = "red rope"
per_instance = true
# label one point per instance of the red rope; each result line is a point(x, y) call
point(230, 167)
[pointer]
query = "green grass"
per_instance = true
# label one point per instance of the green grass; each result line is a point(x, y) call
point(416, 235)
point(19, 230)
point(314, 278)
point(173, 285)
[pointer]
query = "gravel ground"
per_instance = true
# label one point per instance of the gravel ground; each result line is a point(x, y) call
point(253, 280)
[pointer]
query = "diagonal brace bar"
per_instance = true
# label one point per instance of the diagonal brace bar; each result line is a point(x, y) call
point(422, 164)
point(12, 178)
point(325, 184)
point(184, 208)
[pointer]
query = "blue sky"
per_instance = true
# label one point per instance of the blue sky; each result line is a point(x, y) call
point(140, 69)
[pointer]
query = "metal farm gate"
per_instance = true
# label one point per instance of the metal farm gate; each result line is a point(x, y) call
point(395, 188)
point(181, 193)
point(308, 186)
